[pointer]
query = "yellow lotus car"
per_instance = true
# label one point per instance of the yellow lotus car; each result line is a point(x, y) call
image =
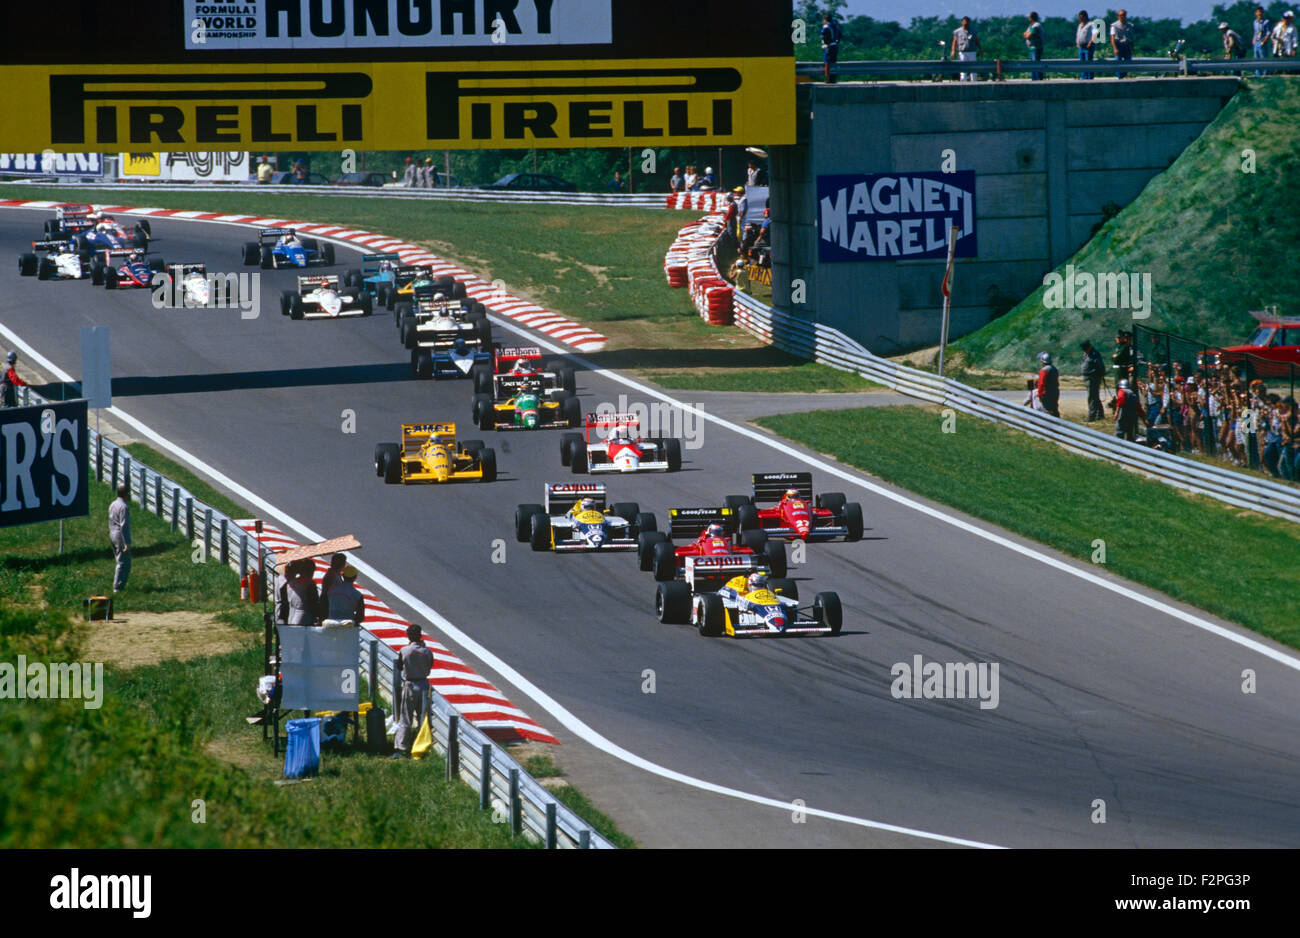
point(429, 453)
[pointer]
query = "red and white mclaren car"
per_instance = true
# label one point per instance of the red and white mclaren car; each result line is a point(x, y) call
point(618, 447)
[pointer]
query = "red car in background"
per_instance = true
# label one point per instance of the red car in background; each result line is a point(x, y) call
point(710, 532)
point(1274, 347)
point(796, 514)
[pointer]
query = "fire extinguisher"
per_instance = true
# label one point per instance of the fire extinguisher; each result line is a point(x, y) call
point(243, 589)
point(254, 587)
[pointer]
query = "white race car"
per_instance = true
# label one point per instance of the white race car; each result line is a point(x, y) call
point(621, 450)
point(322, 297)
point(61, 261)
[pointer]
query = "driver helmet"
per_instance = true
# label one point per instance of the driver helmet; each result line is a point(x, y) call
point(1123, 384)
point(588, 504)
point(791, 493)
point(134, 257)
point(1045, 357)
point(716, 530)
point(757, 581)
point(521, 365)
point(440, 296)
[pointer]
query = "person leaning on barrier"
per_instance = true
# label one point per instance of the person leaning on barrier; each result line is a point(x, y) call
point(1033, 36)
point(1085, 39)
point(1121, 39)
point(414, 662)
point(965, 47)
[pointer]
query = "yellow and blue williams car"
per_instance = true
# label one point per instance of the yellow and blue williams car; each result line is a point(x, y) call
point(718, 598)
point(429, 453)
point(576, 516)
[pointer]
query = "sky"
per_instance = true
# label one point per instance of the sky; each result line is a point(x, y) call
point(1185, 10)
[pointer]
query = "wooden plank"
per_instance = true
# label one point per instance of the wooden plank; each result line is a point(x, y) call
point(309, 551)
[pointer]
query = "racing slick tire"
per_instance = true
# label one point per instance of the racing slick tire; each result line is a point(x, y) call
point(44, 269)
point(267, 259)
point(157, 264)
point(483, 333)
point(833, 501)
point(735, 501)
point(295, 307)
point(775, 553)
point(423, 364)
point(97, 274)
point(747, 515)
point(645, 522)
point(27, 264)
point(285, 297)
point(252, 253)
point(645, 547)
point(787, 588)
point(110, 278)
point(663, 561)
point(327, 254)
point(710, 615)
point(524, 521)
point(384, 296)
point(392, 469)
point(578, 462)
point(401, 311)
point(367, 304)
point(754, 540)
point(487, 460)
point(566, 440)
point(482, 375)
point(673, 602)
point(457, 290)
point(483, 412)
point(472, 446)
point(140, 242)
point(51, 228)
point(853, 520)
point(571, 411)
point(146, 228)
point(827, 610)
point(352, 278)
point(539, 535)
point(383, 451)
point(564, 376)
point(409, 335)
point(673, 450)
point(626, 510)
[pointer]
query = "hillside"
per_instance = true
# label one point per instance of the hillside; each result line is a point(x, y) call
point(1217, 240)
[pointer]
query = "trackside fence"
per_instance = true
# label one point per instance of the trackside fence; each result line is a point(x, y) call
point(503, 785)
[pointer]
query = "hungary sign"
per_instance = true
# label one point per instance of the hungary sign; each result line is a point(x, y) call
point(894, 216)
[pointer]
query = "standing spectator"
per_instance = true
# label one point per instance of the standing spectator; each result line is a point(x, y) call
point(676, 183)
point(1284, 36)
point(415, 661)
point(408, 174)
point(754, 176)
point(1121, 39)
point(264, 171)
point(1124, 358)
point(427, 173)
point(1085, 38)
point(1261, 28)
point(830, 45)
point(616, 184)
point(1094, 372)
point(1290, 430)
point(965, 46)
point(1126, 412)
point(1233, 46)
point(344, 600)
point(688, 181)
point(707, 182)
point(10, 382)
point(1272, 421)
point(299, 600)
point(119, 535)
point(300, 172)
point(1034, 40)
point(742, 209)
point(333, 573)
point(1049, 384)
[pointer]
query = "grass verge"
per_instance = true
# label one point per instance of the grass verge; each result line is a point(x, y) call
point(993, 473)
point(544, 767)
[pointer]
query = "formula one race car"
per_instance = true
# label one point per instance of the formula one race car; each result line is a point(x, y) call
point(416, 281)
point(620, 450)
point(281, 247)
point(574, 516)
point(447, 356)
point(719, 600)
point(523, 362)
point(707, 532)
point(60, 262)
point(525, 403)
point(108, 235)
point(793, 516)
point(436, 316)
point(69, 221)
point(429, 453)
point(121, 269)
point(321, 297)
point(376, 276)
point(193, 287)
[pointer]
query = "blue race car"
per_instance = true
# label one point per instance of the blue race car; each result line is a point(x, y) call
point(449, 357)
point(108, 235)
point(122, 269)
point(281, 247)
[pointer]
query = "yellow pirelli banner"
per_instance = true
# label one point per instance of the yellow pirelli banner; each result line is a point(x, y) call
point(398, 105)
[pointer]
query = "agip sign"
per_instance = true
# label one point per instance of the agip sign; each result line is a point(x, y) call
point(894, 216)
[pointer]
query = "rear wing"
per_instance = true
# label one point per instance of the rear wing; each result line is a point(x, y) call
point(564, 494)
point(442, 340)
point(376, 259)
point(319, 280)
point(73, 210)
point(770, 486)
point(688, 523)
point(719, 566)
point(514, 384)
point(445, 307)
point(110, 253)
point(55, 245)
point(506, 357)
point(265, 233)
point(418, 433)
point(188, 268)
point(597, 421)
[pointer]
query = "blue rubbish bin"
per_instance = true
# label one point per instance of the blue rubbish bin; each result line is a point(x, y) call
point(302, 751)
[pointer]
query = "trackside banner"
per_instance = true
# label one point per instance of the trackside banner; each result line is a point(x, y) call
point(43, 463)
point(51, 164)
point(894, 216)
point(399, 105)
point(388, 24)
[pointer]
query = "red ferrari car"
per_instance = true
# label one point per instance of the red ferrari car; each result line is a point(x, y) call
point(1274, 346)
point(711, 532)
point(796, 514)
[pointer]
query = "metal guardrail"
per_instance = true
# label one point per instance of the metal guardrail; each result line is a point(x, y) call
point(639, 200)
point(831, 347)
point(927, 68)
point(524, 802)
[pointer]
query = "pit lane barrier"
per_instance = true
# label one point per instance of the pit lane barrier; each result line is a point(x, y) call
point(692, 260)
point(473, 755)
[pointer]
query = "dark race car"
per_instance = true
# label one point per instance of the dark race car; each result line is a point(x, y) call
point(281, 247)
point(124, 269)
point(108, 234)
point(795, 513)
point(707, 532)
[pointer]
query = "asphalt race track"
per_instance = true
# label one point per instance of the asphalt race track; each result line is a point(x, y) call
point(1101, 697)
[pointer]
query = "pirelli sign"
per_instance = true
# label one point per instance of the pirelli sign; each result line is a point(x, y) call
point(398, 105)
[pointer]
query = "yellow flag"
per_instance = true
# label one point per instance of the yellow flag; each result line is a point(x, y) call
point(423, 744)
